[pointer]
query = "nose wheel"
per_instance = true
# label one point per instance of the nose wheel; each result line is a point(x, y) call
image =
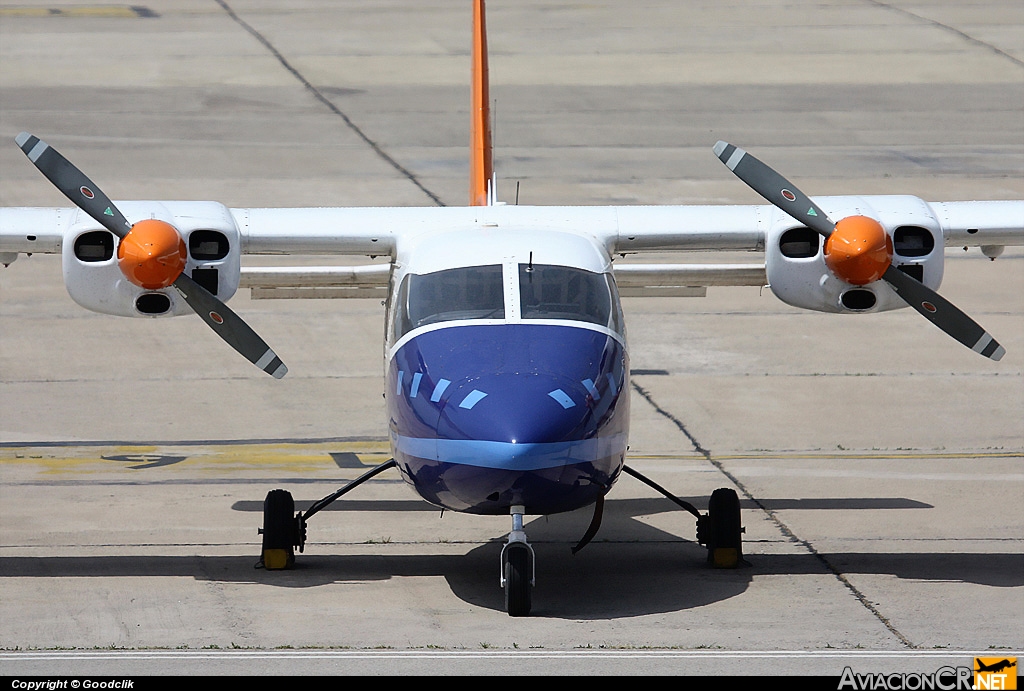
point(517, 568)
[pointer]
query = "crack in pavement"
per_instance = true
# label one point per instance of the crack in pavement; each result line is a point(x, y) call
point(318, 95)
point(947, 27)
point(774, 517)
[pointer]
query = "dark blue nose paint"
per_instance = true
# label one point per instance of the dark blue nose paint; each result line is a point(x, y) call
point(487, 416)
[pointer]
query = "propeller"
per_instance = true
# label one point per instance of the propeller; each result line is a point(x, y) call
point(858, 250)
point(151, 254)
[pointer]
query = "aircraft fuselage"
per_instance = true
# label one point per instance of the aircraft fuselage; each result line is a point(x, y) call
point(507, 375)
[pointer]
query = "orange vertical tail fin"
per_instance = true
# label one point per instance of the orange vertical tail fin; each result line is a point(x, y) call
point(481, 165)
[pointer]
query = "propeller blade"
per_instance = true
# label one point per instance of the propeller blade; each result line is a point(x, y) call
point(943, 313)
point(776, 189)
point(229, 326)
point(82, 191)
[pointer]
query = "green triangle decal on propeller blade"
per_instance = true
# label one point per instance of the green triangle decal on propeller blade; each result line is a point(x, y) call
point(108, 212)
point(812, 212)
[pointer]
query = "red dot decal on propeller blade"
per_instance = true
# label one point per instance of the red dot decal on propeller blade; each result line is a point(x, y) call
point(789, 195)
point(86, 192)
point(930, 307)
point(216, 317)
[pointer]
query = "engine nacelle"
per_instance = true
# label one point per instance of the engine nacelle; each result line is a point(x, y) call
point(795, 260)
point(95, 281)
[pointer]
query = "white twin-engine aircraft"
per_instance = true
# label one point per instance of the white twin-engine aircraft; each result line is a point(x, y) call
point(507, 379)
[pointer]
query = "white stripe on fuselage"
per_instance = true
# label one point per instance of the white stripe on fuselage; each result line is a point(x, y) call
point(497, 322)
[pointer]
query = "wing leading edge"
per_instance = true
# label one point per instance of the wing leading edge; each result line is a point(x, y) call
point(377, 232)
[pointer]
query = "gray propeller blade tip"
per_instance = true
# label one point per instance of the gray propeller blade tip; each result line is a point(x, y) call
point(280, 371)
point(22, 138)
point(720, 147)
point(989, 347)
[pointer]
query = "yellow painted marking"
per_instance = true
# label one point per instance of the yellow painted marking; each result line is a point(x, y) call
point(298, 458)
point(123, 11)
point(213, 459)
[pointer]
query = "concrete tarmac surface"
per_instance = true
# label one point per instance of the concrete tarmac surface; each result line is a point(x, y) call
point(879, 463)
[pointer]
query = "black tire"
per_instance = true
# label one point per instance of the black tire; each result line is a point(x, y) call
point(518, 574)
point(279, 530)
point(725, 533)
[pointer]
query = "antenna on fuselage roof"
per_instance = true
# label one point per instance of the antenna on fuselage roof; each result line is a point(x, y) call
point(482, 188)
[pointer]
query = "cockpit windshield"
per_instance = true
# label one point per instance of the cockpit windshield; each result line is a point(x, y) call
point(564, 292)
point(477, 292)
point(469, 292)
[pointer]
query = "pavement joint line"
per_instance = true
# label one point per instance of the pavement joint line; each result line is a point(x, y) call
point(318, 95)
point(653, 652)
point(946, 27)
point(880, 454)
point(195, 442)
point(774, 517)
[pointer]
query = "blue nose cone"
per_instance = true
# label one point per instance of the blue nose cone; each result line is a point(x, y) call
point(486, 416)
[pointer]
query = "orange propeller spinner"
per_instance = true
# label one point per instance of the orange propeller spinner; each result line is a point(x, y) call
point(152, 255)
point(859, 251)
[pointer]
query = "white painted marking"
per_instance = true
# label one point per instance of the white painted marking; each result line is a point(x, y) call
point(439, 390)
point(562, 398)
point(474, 397)
point(266, 359)
point(735, 159)
point(982, 343)
point(38, 150)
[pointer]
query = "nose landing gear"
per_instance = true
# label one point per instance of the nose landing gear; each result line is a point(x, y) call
point(517, 568)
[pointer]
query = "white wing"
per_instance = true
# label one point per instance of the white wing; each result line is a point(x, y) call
point(381, 232)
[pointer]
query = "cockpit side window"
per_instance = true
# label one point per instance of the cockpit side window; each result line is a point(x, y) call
point(470, 292)
point(563, 292)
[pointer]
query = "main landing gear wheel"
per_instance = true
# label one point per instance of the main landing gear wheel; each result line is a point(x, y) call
point(280, 531)
point(721, 531)
point(283, 530)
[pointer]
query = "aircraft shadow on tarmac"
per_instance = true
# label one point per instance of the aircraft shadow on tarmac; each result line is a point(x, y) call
point(634, 507)
point(634, 569)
